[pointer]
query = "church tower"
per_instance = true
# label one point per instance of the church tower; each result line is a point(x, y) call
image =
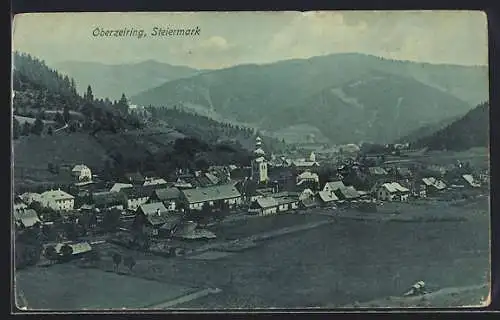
point(312, 157)
point(259, 163)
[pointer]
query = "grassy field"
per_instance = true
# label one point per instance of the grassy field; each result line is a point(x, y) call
point(67, 287)
point(478, 157)
point(335, 264)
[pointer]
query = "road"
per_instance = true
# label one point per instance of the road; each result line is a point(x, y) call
point(184, 299)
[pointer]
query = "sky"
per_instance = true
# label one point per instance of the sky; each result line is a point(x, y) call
point(231, 38)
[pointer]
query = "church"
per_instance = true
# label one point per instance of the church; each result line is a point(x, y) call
point(259, 164)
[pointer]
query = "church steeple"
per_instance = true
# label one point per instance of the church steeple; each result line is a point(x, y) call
point(259, 163)
point(258, 152)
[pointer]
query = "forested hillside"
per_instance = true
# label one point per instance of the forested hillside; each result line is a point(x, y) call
point(211, 131)
point(472, 130)
point(45, 96)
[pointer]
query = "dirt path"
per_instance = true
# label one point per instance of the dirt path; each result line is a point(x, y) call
point(184, 299)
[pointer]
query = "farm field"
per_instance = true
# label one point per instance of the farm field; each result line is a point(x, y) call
point(337, 264)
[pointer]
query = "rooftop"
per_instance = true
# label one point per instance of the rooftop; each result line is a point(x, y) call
point(56, 195)
point(211, 193)
point(165, 194)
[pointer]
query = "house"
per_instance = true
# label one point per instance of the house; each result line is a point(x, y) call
point(303, 164)
point(327, 197)
point(403, 173)
point(137, 195)
point(214, 196)
point(168, 196)
point(264, 206)
point(333, 186)
point(57, 200)
point(392, 191)
point(310, 202)
point(134, 178)
point(154, 181)
point(433, 185)
point(19, 204)
point(484, 177)
point(109, 200)
point(470, 181)
point(29, 197)
point(347, 193)
point(377, 172)
point(422, 192)
point(77, 248)
point(307, 176)
point(26, 218)
point(287, 203)
point(183, 184)
point(286, 200)
point(306, 194)
point(118, 186)
point(81, 172)
point(151, 217)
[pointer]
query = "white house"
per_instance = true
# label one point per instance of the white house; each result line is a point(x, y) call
point(392, 192)
point(57, 200)
point(264, 206)
point(82, 172)
point(307, 176)
point(333, 186)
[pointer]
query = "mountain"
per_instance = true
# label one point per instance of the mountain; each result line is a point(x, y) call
point(347, 97)
point(112, 80)
point(427, 130)
point(467, 132)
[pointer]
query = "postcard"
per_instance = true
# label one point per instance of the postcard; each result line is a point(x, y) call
point(250, 160)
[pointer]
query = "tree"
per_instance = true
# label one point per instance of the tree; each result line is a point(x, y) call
point(123, 103)
point(66, 115)
point(66, 252)
point(16, 129)
point(117, 259)
point(89, 96)
point(94, 257)
point(37, 127)
point(26, 130)
point(51, 254)
point(111, 220)
point(71, 230)
point(129, 262)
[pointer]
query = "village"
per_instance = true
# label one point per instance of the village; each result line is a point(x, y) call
point(84, 221)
